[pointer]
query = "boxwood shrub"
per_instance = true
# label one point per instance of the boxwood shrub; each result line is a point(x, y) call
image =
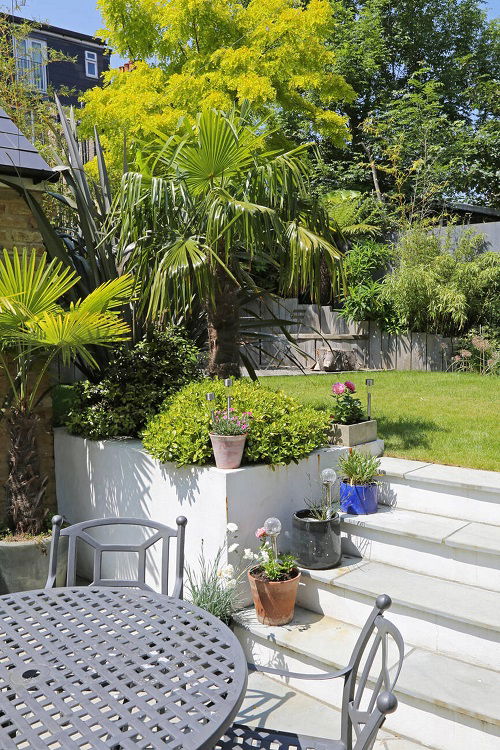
point(282, 430)
point(133, 387)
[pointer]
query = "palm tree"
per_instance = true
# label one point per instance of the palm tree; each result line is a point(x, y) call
point(34, 329)
point(208, 205)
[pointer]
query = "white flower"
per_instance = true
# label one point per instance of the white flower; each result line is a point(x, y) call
point(227, 572)
point(231, 584)
point(233, 548)
point(232, 527)
point(248, 554)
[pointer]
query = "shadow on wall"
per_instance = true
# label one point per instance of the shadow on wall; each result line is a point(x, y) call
point(122, 492)
point(406, 432)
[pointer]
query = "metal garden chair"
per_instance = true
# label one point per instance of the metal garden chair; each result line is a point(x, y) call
point(82, 531)
point(359, 726)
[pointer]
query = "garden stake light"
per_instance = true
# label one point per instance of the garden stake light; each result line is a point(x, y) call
point(228, 382)
point(211, 397)
point(369, 382)
point(272, 527)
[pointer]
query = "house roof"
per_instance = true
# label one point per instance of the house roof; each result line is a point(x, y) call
point(55, 30)
point(18, 157)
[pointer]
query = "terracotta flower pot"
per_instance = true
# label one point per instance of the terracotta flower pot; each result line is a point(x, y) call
point(228, 450)
point(274, 600)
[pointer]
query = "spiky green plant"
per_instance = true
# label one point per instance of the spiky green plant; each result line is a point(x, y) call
point(34, 329)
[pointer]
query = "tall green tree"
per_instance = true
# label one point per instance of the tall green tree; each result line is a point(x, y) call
point(382, 45)
point(205, 207)
point(216, 53)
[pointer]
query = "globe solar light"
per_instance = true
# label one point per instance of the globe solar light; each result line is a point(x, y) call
point(272, 527)
point(328, 479)
point(369, 382)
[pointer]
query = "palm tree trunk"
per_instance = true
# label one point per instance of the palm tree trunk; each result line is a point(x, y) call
point(223, 317)
point(25, 485)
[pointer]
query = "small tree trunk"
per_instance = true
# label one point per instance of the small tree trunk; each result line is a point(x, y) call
point(223, 317)
point(25, 485)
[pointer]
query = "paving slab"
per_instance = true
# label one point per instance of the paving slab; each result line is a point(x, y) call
point(427, 676)
point(457, 476)
point(478, 536)
point(457, 601)
point(349, 563)
point(399, 467)
point(406, 523)
point(274, 705)
point(316, 636)
point(451, 683)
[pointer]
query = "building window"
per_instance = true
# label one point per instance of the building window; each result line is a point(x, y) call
point(90, 64)
point(31, 62)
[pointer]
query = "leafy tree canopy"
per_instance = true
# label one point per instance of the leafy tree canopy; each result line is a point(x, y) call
point(272, 53)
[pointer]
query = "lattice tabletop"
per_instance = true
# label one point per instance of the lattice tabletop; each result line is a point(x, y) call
point(92, 668)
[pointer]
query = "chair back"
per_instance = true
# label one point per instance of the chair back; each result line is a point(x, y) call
point(374, 669)
point(83, 532)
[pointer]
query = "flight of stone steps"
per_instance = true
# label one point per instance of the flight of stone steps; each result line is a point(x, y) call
point(434, 547)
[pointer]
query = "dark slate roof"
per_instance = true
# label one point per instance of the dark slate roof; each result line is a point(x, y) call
point(18, 157)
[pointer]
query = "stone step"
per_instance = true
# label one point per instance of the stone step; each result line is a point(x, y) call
point(273, 705)
point(450, 491)
point(444, 703)
point(449, 548)
point(447, 617)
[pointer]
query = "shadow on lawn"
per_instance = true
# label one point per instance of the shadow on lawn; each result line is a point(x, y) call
point(406, 432)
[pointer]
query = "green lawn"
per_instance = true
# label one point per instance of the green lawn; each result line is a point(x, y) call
point(438, 417)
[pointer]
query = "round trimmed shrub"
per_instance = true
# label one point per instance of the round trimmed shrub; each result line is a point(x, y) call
point(282, 429)
point(133, 387)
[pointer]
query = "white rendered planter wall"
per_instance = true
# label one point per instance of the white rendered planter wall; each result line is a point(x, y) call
point(118, 478)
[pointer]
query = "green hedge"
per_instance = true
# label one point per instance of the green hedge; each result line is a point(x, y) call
point(133, 387)
point(282, 430)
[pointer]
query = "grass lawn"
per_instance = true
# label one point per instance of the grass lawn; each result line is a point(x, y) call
point(438, 417)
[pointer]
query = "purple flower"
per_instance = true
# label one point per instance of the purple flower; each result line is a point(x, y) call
point(338, 389)
point(349, 384)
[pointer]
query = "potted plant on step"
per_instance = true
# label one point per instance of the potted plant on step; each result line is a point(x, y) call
point(275, 579)
point(316, 529)
point(350, 426)
point(34, 329)
point(358, 488)
point(228, 435)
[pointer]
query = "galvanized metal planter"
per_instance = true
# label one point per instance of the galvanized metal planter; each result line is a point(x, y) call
point(316, 544)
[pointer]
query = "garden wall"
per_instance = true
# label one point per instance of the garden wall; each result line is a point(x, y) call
point(319, 330)
point(118, 478)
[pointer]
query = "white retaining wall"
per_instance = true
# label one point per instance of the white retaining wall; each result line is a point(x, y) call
point(97, 479)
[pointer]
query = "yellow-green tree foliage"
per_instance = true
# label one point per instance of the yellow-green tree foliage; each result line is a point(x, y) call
point(195, 53)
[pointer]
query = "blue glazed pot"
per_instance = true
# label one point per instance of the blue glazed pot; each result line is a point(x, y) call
point(358, 499)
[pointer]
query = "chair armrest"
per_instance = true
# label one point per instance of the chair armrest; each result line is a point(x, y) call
point(299, 675)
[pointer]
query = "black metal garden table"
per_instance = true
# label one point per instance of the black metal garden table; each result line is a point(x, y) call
point(114, 668)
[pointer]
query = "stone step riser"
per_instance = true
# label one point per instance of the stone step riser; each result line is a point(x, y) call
point(441, 499)
point(468, 566)
point(420, 721)
point(434, 632)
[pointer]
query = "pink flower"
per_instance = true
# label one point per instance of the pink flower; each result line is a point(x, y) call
point(349, 384)
point(338, 389)
point(260, 533)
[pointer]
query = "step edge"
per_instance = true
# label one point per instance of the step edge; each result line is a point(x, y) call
point(400, 687)
point(415, 476)
point(340, 582)
point(446, 540)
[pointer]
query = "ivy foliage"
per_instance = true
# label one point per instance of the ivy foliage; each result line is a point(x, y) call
point(282, 429)
point(134, 387)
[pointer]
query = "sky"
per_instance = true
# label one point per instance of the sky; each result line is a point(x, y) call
point(82, 15)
